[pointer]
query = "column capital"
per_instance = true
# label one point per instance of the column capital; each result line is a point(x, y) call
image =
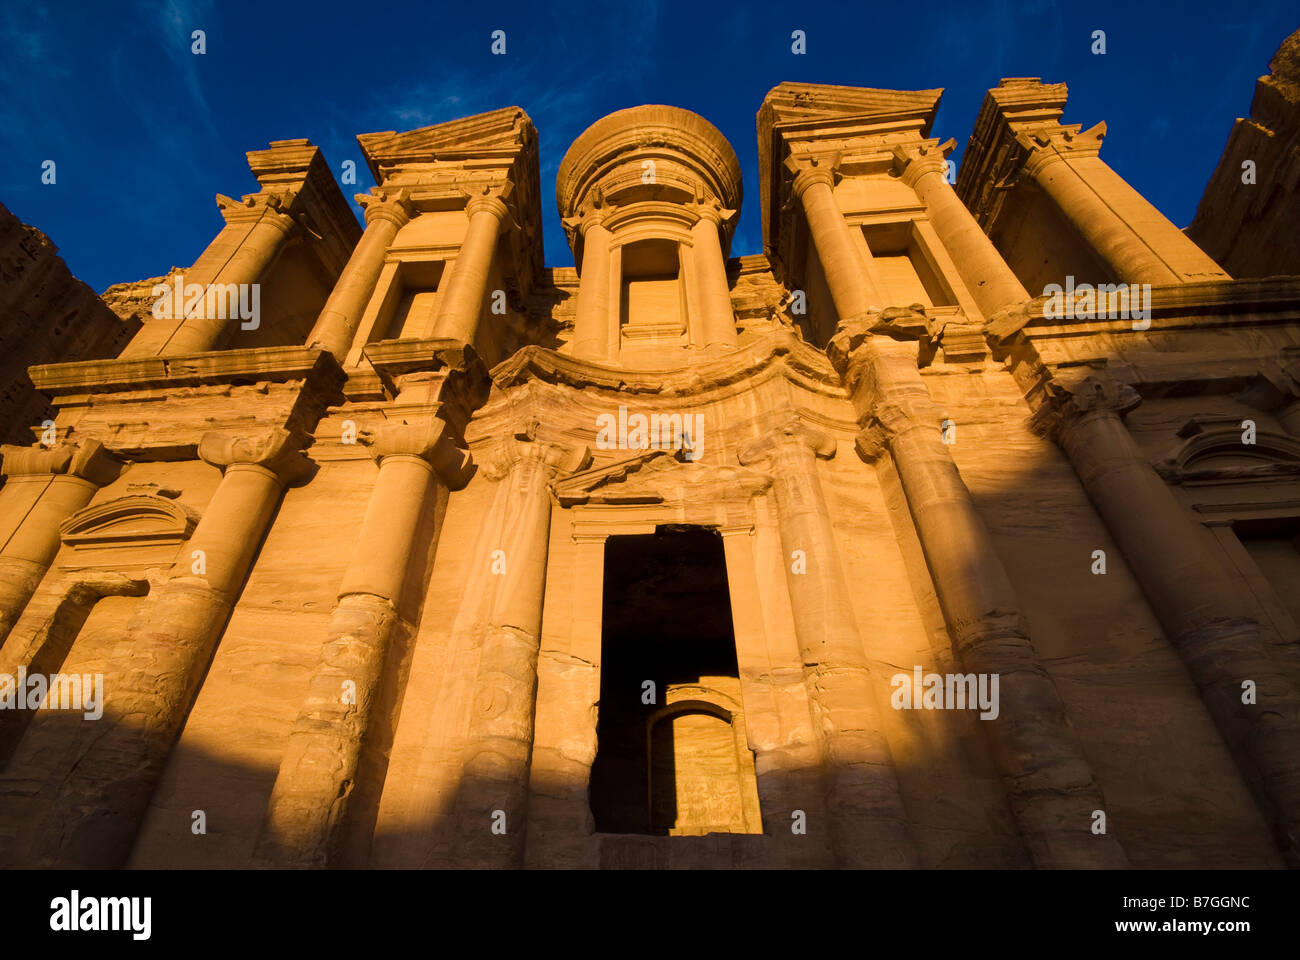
point(714, 214)
point(423, 438)
point(556, 455)
point(916, 160)
point(844, 349)
point(812, 168)
point(795, 435)
point(811, 177)
point(1095, 396)
point(1047, 145)
point(494, 200)
point(888, 420)
point(588, 221)
point(269, 208)
point(86, 459)
point(394, 206)
point(274, 449)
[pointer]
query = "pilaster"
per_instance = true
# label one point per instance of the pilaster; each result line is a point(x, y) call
point(493, 789)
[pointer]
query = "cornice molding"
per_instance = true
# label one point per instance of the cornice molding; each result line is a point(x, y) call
point(794, 116)
point(253, 364)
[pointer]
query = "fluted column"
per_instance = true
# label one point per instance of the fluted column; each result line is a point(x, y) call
point(460, 307)
point(868, 825)
point(386, 213)
point(595, 326)
point(1047, 777)
point(509, 620)
point(1207, 620)
point(264, 228)
point(718, 323)
point(89, 814)
point(846, 272)
point(43, 487)
point(986, 275)
point(309, 804)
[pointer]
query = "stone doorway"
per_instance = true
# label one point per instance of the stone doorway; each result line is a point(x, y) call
point(671, 755)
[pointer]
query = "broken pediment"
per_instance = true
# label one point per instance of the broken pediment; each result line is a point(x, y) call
point(806, 115)
point(821, 103)
point(134, 519)
point(497, 133)
point(660, 476)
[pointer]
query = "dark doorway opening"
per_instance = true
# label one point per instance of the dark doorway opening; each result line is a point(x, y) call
point(671, 756)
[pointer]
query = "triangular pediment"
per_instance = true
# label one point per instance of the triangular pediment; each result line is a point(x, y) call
point(498, 133)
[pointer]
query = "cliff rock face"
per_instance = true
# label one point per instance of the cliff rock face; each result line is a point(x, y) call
point(1249, 228)
point(46, 316)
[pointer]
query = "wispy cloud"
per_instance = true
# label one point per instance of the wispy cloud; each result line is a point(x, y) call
point(177, 20)
point(562, 94)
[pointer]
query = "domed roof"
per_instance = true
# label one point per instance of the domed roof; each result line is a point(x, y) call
point(699, 144)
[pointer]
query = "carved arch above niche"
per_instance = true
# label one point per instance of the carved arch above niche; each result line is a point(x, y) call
point(136, 519)
point(1213, 451)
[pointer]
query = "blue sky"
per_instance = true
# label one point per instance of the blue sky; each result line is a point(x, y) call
point(144, 133)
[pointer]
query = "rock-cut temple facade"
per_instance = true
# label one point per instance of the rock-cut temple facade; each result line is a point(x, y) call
point(958, 528)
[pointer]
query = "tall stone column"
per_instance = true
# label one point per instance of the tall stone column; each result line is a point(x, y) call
point(1136, 240)
point(868, 825)
point(499, 745)
point(309, 803)
point(263, 229)
point(461, 306)
point(43, 487)
point(1048, 779)
point(1126, 253)
point(991, 282)
point(1210, 625)
point(386, 213)
point(594, 327)
point(718, 324)
point(89, 814)
point(846, 273)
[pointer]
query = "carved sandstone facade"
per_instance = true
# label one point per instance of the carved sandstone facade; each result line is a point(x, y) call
point(457, 560)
